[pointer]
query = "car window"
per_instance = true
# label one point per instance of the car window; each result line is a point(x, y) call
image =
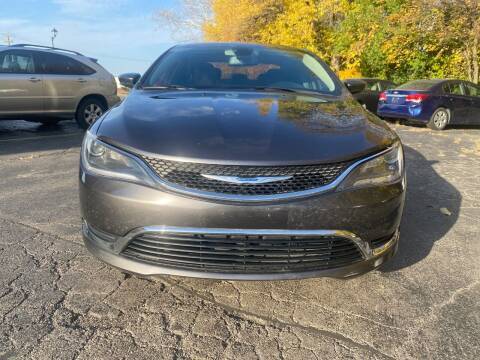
point(373, 85)
point(62, 65)
point(241, 67)
point(454, 89)
point(385, 85)
point(17, 62)
point(472, 90)
point(418, 85)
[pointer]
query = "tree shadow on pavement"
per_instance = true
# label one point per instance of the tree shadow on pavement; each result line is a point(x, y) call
point(431, 210)
point(19, 137)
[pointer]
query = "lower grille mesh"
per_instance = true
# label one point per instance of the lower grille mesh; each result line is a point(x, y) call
point(189, 175)
point(243, 254)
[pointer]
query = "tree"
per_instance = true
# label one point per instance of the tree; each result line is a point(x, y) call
point(186, 23)
point(361, 35)
point(463, 27)
point(435, 39)
point(396, 39)
point(240, 20)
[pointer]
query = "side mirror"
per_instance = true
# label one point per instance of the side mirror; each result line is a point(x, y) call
point(129, 79)
point(355, 86)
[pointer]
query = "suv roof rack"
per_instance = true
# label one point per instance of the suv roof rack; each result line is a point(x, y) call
point(47, 48)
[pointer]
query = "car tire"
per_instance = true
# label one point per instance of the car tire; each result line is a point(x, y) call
point(440, 119)
point(89, 110)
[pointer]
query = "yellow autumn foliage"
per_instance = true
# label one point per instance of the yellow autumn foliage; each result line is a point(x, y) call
point(236, 20)
point(397, 39)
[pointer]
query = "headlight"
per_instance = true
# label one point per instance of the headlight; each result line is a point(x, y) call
point(102, 159)
point(382, 170)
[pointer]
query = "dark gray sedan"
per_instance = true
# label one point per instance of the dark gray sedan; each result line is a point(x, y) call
point(238, 161)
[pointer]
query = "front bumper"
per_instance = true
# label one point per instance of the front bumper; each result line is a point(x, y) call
point(414, 113)
point(119, 209)
point(109, 252)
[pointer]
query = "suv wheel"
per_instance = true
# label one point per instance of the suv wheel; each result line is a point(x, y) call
point(439, 119)
point(89, 111)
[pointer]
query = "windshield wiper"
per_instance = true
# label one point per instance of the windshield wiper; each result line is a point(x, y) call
point(269, 88)
point(256, 88)
point(289, 90)
point(167, 87)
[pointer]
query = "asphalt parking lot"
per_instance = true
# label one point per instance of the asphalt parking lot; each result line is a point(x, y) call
point(57, 301)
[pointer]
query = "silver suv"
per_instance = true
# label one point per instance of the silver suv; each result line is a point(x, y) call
point(43, 84)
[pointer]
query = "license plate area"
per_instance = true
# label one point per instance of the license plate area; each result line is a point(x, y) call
point(396, 99)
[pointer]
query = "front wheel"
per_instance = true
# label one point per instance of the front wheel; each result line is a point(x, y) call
point(89, 111)
point(439, 119)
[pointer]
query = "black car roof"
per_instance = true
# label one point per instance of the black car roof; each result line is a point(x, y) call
point(433, 81)
point(369, 79)
point(427, 83)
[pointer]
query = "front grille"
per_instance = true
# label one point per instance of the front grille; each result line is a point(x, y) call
point(243, 254)
point(188, 175)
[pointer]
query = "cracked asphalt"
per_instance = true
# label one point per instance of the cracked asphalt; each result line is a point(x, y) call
point(58, 302)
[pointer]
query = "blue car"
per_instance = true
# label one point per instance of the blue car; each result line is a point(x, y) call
point(435, 103)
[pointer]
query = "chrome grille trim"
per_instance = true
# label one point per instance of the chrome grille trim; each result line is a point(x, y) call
point(243, 250)
point(245, 180)
point(260, 198)
point(122, 242)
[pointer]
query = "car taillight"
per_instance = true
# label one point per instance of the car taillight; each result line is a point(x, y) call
point(383, 96)
point(416, 98)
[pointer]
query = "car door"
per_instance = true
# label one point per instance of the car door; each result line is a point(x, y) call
point(457, 102)
point(21, 85)
point(65, 80)
point(473, 92)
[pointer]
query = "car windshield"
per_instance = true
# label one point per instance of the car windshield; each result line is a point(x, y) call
point(417, 85)
point(241, 67)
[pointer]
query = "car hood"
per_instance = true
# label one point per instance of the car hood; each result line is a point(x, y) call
point(244, 127)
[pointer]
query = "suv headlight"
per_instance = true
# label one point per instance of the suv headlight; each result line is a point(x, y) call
point(384, 169)
point(102, 159)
